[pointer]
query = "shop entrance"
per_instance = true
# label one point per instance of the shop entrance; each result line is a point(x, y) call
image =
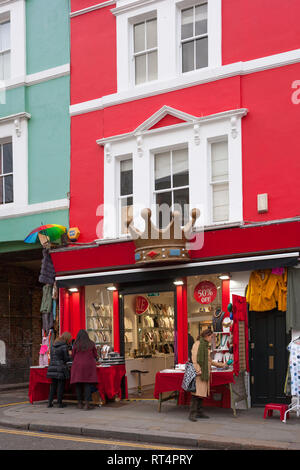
point(268, 357)
point(148, 342)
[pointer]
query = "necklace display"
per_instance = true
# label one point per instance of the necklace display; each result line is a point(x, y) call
point(217, 320)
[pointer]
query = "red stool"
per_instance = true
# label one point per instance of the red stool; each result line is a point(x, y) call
point(278, 407)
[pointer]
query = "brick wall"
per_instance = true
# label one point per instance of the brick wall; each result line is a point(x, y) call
point(20, 322)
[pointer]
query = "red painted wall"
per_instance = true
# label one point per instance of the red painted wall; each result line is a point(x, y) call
point(93, 55)
point(258, 28)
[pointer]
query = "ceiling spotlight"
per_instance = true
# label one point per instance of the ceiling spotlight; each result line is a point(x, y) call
point(73, 289)
point(224, 276)
point(111, 288)
point(178, 282)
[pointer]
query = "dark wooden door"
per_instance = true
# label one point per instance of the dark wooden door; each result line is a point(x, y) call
point(268, 357)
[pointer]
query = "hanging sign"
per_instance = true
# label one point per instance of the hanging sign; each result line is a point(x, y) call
point(141, 305)
point(205, 292)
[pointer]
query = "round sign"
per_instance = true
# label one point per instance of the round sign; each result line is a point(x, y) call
point(205, 292)
point(141, 305)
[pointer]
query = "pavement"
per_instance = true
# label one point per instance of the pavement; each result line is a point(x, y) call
point(139, 421)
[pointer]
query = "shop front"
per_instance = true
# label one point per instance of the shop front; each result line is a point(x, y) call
point(152, 314)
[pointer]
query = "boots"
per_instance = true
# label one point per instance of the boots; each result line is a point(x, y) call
point(193, 408)
point(87, 406)
point(50, 404)
point(200, 413)
point(80, 405)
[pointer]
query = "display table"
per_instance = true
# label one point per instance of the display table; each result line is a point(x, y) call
point(109, 382)
point(171, 382)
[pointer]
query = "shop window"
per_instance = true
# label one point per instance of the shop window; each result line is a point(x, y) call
point(171, 185)
point(5, 49)
point(145, 50)
point(194, 37)
point(220, 181)
point(99, 317)
point(6, 173)
point(126, 193)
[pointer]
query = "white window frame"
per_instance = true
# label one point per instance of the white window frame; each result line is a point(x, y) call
point(15, 129)
point(7, 140)
point(171, 188)
point(120, 197)
point(145, 52)
point(168, 14)
point(15, 11)
point(195, 134)
point(194, 37)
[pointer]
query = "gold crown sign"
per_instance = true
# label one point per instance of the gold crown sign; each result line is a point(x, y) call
point(162, 245)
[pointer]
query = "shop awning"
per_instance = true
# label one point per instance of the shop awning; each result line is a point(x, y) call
point(170, 272)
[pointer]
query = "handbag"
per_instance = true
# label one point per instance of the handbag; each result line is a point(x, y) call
point(189, 378)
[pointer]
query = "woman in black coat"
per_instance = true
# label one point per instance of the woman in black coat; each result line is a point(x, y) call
point(58, 370)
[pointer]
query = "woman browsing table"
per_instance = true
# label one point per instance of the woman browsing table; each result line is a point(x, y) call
point(84, 371)
point(202, 363)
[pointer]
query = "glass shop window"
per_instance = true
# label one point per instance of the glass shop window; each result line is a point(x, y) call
point(99, 317)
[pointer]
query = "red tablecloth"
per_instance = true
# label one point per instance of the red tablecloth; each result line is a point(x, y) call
point(109, 382)
point(169, 382)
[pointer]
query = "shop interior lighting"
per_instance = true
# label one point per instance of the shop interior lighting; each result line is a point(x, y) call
point(178, 282)
point(224, 276)
point(73, 289)
point(111, 288)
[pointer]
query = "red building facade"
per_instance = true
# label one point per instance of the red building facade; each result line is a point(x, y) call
point(195, 102)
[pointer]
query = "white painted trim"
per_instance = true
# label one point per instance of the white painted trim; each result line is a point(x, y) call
point(92, 8)
point(186, 80)
point(49, 74)
point(156, 117)
point(130, 6)
point(13, 210)
point(13, 117)
point(36, 78)
point(179, 266)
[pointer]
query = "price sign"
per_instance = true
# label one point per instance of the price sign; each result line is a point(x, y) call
point(205, 292)
point(141, 305)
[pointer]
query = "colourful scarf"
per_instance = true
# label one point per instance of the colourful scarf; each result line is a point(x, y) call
point(202, 359)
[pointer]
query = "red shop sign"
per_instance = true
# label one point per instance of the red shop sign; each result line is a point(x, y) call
point(141, 305)
point(205, 292)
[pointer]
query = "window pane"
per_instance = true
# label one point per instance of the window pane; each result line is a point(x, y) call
point(140, 69)
point(151, 32)
point(201, 19)
point(181, 200)
point(180, 167)
point(220, 202)
point(126, 177)
point(126, 212)
point(5, 36)
point(163, 209)
point(152, 66)
point(8, 189)
point(139, 37)
point(7, 158)
point(163, 171)
point(188, 56)
point(219, 161)
point(6, 65)
point(187, 23)
point(201, 53)
point(1, 190)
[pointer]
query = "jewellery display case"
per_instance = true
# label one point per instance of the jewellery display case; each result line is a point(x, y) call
point(99, 316)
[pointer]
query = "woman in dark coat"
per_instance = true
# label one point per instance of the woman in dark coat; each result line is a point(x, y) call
point(58, 370)
point(83, 371)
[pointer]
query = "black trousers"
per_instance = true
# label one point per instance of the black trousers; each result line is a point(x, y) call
point(57, 387)
point(83, 391)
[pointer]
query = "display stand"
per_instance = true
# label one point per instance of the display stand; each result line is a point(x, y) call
point(293, 406)
point(240, 349)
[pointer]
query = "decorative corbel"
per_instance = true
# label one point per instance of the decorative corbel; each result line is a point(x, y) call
point(197, 134)
point(139, 143)
point(234, 127)
point(107, 149)
point(17, 123)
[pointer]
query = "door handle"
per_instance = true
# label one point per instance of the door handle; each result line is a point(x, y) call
point(271, 362)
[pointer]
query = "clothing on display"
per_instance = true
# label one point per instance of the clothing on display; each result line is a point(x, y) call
point(46, 304)
point(43, 354)
point(47, 322)
point(267, 290)
point(47, 274)
point(294, 364)
point(293, 300)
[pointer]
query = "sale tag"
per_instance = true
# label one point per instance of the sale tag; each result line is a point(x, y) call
point(141, 305)
point(205, 292)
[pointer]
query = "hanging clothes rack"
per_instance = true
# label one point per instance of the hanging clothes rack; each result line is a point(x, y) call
point(294, 406)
